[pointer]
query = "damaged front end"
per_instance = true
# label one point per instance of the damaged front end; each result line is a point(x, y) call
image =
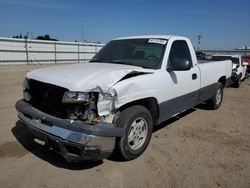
point(62, 103)
point(68, 121)
point(73, 111)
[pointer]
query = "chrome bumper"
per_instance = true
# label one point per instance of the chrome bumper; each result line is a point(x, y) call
point(74, 140)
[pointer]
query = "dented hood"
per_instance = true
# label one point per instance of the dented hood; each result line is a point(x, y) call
point(85, 77)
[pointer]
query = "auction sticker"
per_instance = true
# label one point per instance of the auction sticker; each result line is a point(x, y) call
point(157, 41)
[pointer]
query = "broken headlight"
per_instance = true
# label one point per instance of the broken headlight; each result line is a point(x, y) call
point(80, 105)
point(26, 83)
point(26, 87)
point(76, 97)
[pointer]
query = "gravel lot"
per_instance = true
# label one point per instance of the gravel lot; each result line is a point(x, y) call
point(201, 148)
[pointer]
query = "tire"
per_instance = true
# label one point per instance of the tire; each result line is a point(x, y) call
point(216, 100)
point(137, 122)
point(238, 82)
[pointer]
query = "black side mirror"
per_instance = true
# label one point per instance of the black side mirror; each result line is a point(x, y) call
point(180, 65)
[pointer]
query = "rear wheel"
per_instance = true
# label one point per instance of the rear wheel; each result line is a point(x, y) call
point(138, 126)
point(215, 102)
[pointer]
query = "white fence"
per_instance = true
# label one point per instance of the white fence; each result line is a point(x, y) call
point(29, 51)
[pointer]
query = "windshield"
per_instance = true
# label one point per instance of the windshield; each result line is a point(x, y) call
point(146, 53)
point(221, 58)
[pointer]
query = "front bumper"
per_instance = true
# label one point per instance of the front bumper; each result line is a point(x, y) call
point(74, 140)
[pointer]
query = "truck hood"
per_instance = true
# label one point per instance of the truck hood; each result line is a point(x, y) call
point(87, 76)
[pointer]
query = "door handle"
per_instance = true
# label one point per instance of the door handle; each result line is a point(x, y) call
point(194, 76)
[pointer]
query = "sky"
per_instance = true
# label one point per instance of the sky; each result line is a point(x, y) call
point(223, 24)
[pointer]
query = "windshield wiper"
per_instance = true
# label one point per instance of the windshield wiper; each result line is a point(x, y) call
point(121, 62)
point(96, 61)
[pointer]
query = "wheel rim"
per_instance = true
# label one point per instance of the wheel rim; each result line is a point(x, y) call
point(218, 96)
point(137, 133)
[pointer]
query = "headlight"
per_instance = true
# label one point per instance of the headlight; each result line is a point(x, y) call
point(26, 83)
point(26, 87)
point(75, 97)
point(234, 71)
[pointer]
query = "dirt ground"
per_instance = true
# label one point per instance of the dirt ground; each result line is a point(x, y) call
point(200, 148)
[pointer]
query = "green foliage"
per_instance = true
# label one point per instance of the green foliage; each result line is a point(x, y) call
point(46, 37)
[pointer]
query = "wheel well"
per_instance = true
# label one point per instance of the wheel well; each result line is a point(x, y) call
point(222, 80)
point(150, 103)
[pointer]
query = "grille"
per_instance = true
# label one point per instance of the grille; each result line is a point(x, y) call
point(48, 98)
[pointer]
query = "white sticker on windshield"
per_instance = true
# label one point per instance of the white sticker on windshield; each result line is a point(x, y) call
point(157, 41)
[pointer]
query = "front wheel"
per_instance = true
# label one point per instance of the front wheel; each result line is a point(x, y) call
point(216, 100)
point(237, 84)
point(138, 125)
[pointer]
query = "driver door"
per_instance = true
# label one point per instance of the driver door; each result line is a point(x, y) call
point(182, 85)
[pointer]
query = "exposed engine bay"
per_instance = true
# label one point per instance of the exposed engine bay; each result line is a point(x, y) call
point(84, 111)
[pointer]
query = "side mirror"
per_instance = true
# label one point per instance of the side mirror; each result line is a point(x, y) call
point(180, 65)
point(245, 64)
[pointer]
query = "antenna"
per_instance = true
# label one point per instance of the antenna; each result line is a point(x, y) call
point(83, 45)
point(82, 35)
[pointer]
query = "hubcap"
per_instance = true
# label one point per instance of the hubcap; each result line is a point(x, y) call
point(137, 133)
point(218, 96)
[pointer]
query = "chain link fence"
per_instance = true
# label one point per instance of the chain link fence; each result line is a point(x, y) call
point(29, 51)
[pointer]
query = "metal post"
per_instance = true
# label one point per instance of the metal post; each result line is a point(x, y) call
point(199, 41)
point(83, 52)
point(26, 48)
point(55, 52)
point(78, 52)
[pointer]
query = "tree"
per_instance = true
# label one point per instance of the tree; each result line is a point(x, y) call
point(45, 37)
point(20, 36)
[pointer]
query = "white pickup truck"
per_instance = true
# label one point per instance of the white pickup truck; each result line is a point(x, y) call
point(239, 66)
point(87, 111)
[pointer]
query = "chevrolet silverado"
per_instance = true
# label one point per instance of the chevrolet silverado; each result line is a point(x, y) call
point(88, 111)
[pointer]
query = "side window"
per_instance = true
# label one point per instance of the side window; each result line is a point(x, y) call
point(179, 53)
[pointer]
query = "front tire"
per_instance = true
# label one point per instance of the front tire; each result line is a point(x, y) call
point(138, 125)
point(238, 82)
point(216, 100)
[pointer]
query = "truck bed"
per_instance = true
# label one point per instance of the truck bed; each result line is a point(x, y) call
point(216, 68)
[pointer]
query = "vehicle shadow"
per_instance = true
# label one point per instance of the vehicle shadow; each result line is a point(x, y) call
point(173, 119)
point(25, 138)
